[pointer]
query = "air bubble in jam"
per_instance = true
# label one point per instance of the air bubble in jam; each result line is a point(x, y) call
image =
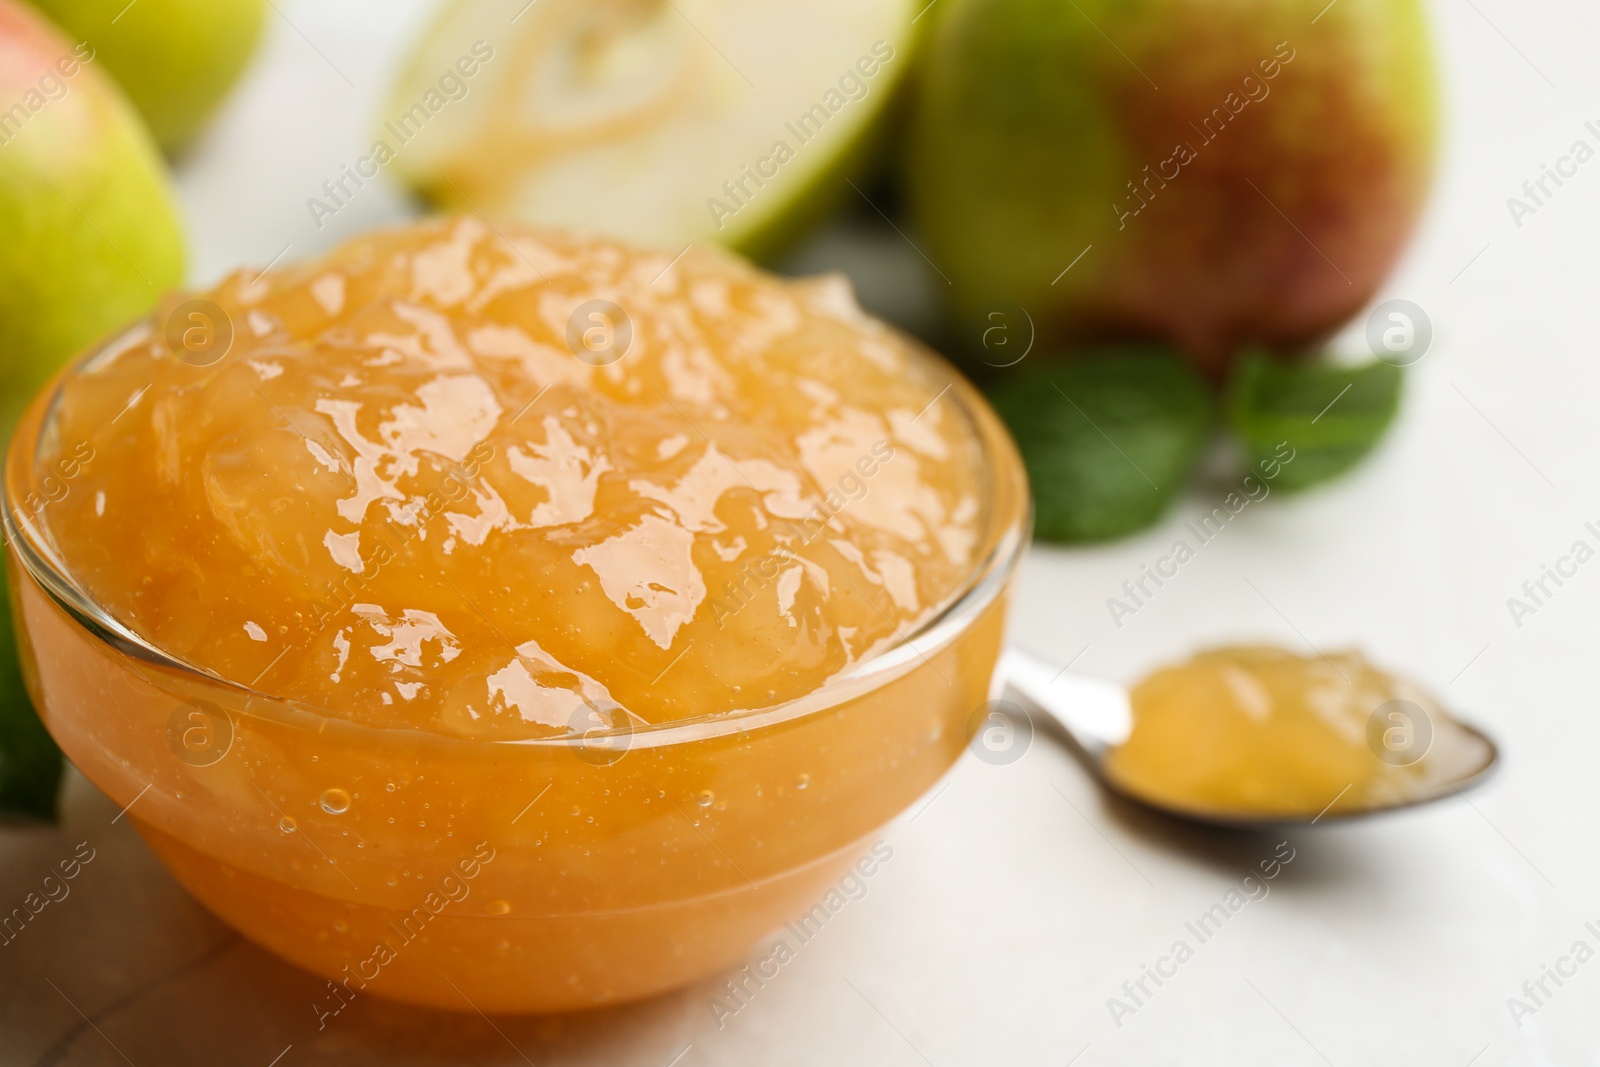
point(334, 801)
point(287, 825)
point(705, 798)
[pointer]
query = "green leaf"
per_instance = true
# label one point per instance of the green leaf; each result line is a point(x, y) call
point(1108, 438)
point(30, 763)
point(1331, 416)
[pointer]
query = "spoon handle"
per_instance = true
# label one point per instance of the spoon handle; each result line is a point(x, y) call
point(1094, 713)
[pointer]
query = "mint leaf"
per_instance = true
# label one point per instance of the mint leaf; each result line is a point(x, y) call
point(1107, 438)
point(1332, 416)
point(30, 763)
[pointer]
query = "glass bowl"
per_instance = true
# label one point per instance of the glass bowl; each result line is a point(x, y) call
point(577, 871)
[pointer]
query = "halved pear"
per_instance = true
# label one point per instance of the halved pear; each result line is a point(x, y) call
point(666, 122)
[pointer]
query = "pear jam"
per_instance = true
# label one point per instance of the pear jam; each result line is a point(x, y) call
point(445, 480)
point(373, 548)
point(1261, 732)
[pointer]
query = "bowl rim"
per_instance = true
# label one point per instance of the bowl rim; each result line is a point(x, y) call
point(1003, 475)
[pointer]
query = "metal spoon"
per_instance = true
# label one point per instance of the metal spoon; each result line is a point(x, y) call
point(1095, 716)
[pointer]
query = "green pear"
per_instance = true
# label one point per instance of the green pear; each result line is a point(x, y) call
point(1210, 173)
point(176, 59)
point(664, 122)
point(89, 231)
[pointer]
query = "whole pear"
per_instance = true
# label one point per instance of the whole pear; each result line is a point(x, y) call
point(1211, 173)
point(89, 232)
point(176, 59)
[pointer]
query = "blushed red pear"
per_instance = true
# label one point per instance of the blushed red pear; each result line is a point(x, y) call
point(1212, 175)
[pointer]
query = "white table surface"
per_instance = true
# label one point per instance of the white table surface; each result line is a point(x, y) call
point(1021, 898)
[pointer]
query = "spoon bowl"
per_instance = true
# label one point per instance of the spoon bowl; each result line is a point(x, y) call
point(1094, 716)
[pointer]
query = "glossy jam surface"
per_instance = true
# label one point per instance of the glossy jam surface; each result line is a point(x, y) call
point(1260, 731)
point(473, 481)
